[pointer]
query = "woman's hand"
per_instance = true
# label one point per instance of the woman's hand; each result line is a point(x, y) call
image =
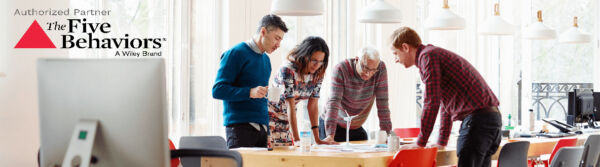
point(327, 140)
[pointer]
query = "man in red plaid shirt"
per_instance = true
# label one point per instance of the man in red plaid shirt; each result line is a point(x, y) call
point(454, 84)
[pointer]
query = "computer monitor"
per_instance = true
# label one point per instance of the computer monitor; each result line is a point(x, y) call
point(581, 107)
point(127, 97)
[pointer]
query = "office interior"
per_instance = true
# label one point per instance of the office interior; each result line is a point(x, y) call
point(542, 80)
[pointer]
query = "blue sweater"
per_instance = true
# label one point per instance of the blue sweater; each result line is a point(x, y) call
point(240, 70)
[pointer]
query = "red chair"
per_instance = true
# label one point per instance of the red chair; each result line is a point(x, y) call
point(407, 132)
point(420, 157)
point(560, 144)
point(174, 161)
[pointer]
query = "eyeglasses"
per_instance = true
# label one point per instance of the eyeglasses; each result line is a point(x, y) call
point(316, 62)
point(367, 69)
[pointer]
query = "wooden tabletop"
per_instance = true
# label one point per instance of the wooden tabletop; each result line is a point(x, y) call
point(291, 157)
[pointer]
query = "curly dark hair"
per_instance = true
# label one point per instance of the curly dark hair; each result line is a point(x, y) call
point(302, 53)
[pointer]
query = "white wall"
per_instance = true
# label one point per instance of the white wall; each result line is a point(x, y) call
point(19, 128)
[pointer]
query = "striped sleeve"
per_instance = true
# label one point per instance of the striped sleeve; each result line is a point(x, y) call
point(334, 103)
point(381, 96)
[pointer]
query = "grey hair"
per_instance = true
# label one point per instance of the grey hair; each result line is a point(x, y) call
point(368, 53)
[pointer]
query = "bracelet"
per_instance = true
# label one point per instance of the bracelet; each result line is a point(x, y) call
point(314, 127)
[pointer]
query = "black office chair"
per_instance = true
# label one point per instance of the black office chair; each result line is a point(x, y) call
point(514, 154)
point(215, 143)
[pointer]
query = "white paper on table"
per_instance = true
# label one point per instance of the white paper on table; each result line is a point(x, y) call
point(250, 149)
point(343, 148)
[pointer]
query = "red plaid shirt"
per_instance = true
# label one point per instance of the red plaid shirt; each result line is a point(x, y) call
point(452, 82)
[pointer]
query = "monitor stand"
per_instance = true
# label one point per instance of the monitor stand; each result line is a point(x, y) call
point(80, 148)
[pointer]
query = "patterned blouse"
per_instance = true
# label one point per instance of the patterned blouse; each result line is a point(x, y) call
point(289, 79)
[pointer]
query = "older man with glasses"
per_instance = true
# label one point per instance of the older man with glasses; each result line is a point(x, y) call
point(356, 84)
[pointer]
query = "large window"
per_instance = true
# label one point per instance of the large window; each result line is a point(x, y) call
point(204, 116)
point(557, 68)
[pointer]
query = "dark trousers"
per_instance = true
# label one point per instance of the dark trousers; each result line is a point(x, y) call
point(340, 133)
point(245, 135)
point(479, 138)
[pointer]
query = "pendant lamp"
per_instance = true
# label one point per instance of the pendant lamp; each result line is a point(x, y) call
point(297, 7)
point(380, 12)
point(445, 19)
point(574, 35)
point(539, 31)
point(495, 25)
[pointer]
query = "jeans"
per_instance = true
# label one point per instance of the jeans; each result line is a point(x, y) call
point(479, 139)
point(340, 133)
point(245, 135)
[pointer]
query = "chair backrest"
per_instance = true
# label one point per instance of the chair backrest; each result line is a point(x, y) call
point(407, 132)
point(210, 142)
point(598, 161)
point(422, 157)
point(560, 144)
point(196, 153)
point(200, 142)
point(567, 157)
point(592, 145)
point(174, 161)
point(514, 154)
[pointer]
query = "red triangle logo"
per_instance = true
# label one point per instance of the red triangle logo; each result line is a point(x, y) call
point(35, 37)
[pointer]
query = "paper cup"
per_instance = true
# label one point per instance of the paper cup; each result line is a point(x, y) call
point(274, 93)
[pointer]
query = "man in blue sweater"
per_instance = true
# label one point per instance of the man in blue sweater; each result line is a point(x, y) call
point(242, 81)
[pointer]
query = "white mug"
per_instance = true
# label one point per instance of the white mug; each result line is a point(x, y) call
point(381, 137)
point(274, 93)
point(393, 143)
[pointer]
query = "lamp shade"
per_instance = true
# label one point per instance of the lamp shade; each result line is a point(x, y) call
point(445, 19)
point(574, 35)
point(539, 31)
point(297, 7)
point(380, 12)
point(496, 25)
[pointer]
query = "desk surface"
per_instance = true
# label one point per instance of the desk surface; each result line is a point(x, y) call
point(447, 156)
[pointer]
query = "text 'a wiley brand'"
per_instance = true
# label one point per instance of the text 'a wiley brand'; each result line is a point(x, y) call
point(137, 54)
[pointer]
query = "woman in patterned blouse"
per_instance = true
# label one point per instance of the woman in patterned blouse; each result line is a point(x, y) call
point(301, 79)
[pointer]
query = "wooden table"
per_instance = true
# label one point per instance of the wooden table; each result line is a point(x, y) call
point(294, 157)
